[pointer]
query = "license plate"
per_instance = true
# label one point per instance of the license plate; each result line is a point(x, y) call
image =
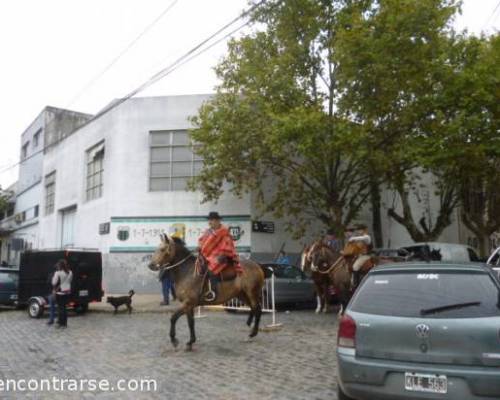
point(428, 383)
point(83, 293)
point(13, 296)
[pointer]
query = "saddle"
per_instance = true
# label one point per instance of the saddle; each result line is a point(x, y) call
point(210, 280)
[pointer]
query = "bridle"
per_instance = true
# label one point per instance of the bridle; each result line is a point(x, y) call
point(315, 268)
point(168, 267)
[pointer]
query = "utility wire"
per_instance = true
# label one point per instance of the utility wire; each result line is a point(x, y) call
point(98, 76)
point(491, 15)
point(191, 54)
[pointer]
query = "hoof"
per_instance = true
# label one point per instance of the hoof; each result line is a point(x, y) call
point(318, 310)
point(175, 342)
point(189, 347)
point(252, 335)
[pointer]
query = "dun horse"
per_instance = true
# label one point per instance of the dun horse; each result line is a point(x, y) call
point(181, 265)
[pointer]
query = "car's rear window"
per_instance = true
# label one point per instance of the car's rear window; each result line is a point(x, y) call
point(407, 294)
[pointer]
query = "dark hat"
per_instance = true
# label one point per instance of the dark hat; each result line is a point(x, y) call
point(213, 215)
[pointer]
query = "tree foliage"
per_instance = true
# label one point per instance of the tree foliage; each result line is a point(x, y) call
point(327, 102)
point(273, 127)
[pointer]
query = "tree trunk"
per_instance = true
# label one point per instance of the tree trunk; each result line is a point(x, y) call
point(376, 216)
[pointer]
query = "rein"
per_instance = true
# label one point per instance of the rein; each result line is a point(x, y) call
point(166, 267)
point(331, 267)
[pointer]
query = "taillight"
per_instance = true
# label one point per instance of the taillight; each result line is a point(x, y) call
point(347, 332)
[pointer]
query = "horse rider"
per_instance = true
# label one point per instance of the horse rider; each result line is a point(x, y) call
point(216, 245)
point(331, 241)
point(363, 237)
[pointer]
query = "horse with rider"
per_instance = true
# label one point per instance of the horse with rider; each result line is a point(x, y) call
point(214, 276)
point(340, 268)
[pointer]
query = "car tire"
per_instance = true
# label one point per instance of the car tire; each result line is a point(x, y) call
point(81, 308)
point(35, 308)
point(341, 395)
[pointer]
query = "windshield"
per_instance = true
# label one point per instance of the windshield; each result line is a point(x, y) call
point(435, 295)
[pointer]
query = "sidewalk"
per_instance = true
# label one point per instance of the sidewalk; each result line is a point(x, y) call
point(141, 303)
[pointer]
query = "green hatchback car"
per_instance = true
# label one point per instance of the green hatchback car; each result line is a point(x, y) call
point(422, 331)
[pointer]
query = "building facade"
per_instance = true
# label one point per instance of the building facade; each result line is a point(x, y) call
point(117, 182)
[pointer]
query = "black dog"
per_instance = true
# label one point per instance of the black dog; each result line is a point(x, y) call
point(120, 301)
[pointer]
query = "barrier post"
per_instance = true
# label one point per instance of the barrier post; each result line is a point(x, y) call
point(198, 313)
point(273, 325)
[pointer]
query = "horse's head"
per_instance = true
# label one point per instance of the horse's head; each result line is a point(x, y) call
point(164, 254)
point(322, 257)
point(353, 249)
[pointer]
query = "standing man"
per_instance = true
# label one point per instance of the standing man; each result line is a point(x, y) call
point(217, 247)
point(167, 287)
point(62, 282)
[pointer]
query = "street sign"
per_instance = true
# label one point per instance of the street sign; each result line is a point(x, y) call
point(263, 226)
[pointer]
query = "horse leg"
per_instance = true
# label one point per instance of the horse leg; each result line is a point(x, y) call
point(192, 338)
point(325, 299)
point(257, 312)
point(254, 301)
point(173, 320)
point(318, 302)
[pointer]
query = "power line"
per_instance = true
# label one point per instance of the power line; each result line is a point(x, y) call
point(98, 76)
point(191, 54)
point(491, 15)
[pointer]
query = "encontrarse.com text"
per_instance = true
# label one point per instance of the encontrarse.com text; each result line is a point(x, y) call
point(56, 384)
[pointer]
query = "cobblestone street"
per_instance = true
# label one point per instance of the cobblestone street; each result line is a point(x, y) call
point(297, 362)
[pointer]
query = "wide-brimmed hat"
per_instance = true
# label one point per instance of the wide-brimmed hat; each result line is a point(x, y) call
point(214, 215)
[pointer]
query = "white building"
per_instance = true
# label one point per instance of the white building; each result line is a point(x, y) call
point(119, 181)
point(22, 225)
point(116, 182)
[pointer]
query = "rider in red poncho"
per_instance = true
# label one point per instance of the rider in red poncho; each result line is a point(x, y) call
point(217, 247)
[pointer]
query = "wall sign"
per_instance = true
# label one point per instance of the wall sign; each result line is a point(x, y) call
point(142, 234)
point(263, 226)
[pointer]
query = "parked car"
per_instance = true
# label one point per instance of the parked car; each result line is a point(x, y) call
point(9, 280)
point(436, 251)
point(395, 254)
point(422, 331)
point(291, 285)
point(36, 266)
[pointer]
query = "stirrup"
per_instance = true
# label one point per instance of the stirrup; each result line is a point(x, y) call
point(210, 295)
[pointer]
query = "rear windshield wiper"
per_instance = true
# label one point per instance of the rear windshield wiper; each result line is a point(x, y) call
point(427, 311)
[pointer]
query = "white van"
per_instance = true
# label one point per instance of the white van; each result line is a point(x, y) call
point(443, 251)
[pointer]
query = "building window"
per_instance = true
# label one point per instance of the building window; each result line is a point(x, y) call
point(95, 172)
point(36, 138)
point(24, 150)
point(172, 161)
point(50, 193)
point(36, 211)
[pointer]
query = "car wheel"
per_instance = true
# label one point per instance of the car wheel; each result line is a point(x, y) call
point(81, 308)
point(35, 308)
point(341, 395)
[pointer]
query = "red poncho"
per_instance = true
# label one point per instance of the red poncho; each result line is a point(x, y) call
point(216, 244)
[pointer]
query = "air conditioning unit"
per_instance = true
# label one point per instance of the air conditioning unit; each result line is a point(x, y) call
point(18, 218)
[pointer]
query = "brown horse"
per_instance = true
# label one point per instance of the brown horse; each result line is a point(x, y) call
point(332, 267)
point(180, 263)
point(322, 281)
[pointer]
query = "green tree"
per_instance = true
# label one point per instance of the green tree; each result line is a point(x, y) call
point(273, 127)
point(393, 59)
point(470, 103)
